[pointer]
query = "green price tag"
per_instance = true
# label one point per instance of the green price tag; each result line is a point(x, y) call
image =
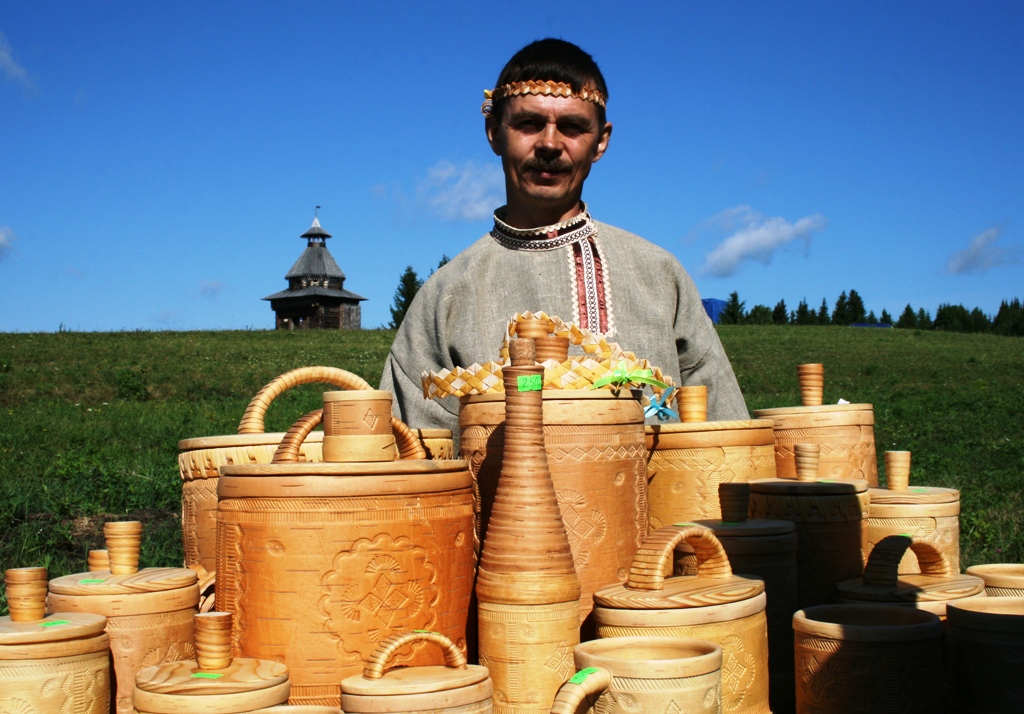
point(54, 623)
point(919, 490)
point(206, 675)
point(529, 383)
point(677, 525)
point(426, 632)
point(826, 480)
point(91, 581)
point(906, 535)
point(581, 676)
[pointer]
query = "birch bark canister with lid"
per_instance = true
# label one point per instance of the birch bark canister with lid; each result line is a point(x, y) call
point(766, 549)
point(455, 688)
point(214, 681)
point(688, 460)
point(924, 512)
point(936, 585)
point(845, 432)
point(713, 605)
point(830, 519)
point(867, 658)
point(199, 459)
point(1001, 579)
point(985, 655)
point(320, 562)
point(149, 612)
point(50, 664)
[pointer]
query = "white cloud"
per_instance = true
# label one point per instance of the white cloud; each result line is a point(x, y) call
point(211, 288)
point(10, 67)
point(754, 237)
point(981, 255)
point(467, 192)
point(6, 242)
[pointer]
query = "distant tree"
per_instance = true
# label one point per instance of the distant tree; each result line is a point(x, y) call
point(952, 318)
point(1010, 319)
point(871, 319)
point(908, 320)
point(804, 316)
point(823, 313)
point(408, 285)
point(733, 313)
point(886, 318)
point(780, 316)
point(840, 311)
point(855, 313)
point(759, 315)
point(924, 320)
point(980, 322)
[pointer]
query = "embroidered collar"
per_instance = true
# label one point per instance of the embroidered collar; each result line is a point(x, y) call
point(572, 230)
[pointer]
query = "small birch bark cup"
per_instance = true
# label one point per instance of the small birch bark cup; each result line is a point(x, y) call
point(812, 383)
point(808, 460)
point(897, 470)
point(693, 404)
point(26, 593)
point(124, 540)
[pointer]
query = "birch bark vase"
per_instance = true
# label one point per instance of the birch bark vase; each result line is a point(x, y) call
point(867, 658)
point(1001, 579)
point(527, 589)
point(985, 654)
point(766, 549)
point(320, 562)
point(830, 519)
point(846, 433)
point(50, 664)
point(214, 682)
point(712, 605)
point(625, 675)
point(149, 612)
point(936, 585)
point(200, 459)
point(923, 512)
point(455, 688)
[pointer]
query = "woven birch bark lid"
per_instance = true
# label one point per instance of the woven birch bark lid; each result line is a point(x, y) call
point(378, 689)
point(646, 588)
point(821, 487)
point(147, 580)
point(16, 638)
point(991, 614)
point(882, 582)
point(262, 439)
point(826, 415)
point(915, 495)
point(749, 528)
point(188, 679)
point(749, 432)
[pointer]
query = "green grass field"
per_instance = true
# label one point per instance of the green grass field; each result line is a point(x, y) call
point(89, 422)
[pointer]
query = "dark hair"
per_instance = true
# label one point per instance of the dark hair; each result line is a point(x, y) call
point(557, 61)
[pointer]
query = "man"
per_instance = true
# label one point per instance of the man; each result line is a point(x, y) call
point(546, 120)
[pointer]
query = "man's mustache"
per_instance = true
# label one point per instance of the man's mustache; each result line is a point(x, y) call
point(556, 165)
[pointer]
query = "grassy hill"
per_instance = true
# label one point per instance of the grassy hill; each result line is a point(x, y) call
point(89, 422)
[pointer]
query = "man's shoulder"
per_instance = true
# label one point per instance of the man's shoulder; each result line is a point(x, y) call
point(626, 243)
point(458, 267)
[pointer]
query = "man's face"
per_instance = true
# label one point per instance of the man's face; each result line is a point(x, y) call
point(547, 145)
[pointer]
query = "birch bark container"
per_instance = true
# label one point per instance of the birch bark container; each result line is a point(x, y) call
point(867, 658)
point(50, 664)
point(626, 675)
point(713, 605)
point(985, 651)
point(1001, 579)
point(455, 688)
point(320, 562)
point(149, 613)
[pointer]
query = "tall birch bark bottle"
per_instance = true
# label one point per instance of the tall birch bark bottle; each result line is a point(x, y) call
point(527, 587)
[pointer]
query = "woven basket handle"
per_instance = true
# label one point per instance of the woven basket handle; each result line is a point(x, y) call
point(655, 555)
point(409, 446)
point(594, 681)
point(883, 567)
point(253, 418)
point(378, 661)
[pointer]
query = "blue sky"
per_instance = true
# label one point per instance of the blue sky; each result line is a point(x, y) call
point(158, 161)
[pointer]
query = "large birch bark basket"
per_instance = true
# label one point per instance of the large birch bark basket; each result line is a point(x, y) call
point(200, 459)
point(625, 675)
point(923, 512)
point(1001, 579)
point(688, 460)
point(713, 605)
point(867, 658)
point(985, 652)
point(831, 529)
point(51, 664)
point(454, 688)
point(936, 585)
point(149, 614)
point(320, 562)
point(594, 440)
point(766, 549)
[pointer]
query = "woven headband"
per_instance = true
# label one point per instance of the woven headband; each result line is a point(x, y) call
point(535, 86)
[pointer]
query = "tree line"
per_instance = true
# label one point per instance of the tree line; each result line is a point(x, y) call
point(409, 284)
point(849, 309)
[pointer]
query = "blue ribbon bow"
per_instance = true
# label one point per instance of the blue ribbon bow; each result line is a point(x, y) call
point(657, 407)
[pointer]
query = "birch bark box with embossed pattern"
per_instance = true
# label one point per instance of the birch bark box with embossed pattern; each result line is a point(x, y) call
point(320, 562)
